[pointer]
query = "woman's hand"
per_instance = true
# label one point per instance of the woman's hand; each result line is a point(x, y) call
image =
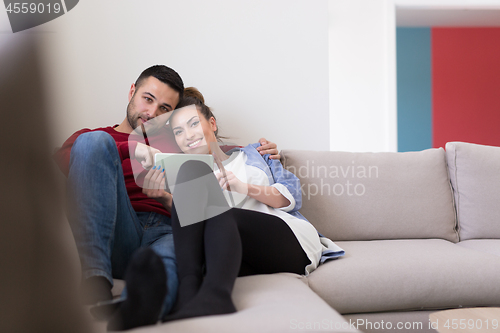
point(145, 155)
point(268, 195)
point(235, 185)
point(154, 187)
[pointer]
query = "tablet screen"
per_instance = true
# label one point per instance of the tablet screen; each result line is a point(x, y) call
point(172, 162)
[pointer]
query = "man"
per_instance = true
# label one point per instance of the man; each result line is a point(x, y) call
point(109, 214)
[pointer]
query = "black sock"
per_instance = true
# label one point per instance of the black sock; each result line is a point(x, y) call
point(208, 302)
point(188, 242)
point(146, 282)
point(188, 288)
point(96, 289)
point(223, 259)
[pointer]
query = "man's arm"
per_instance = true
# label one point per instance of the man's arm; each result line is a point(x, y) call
point(268, 147)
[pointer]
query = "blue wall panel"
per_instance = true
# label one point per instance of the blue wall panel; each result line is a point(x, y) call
point(414, 88)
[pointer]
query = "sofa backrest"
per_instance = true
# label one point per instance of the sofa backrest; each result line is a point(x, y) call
point(475, 177)
point(369, 196)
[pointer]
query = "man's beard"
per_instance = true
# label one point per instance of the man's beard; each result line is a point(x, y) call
point(131, 115)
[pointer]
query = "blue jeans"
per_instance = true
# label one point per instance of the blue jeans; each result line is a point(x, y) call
point(106, 228)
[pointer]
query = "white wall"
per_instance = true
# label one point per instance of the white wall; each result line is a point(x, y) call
point(457, 4)
point(306, 74)
point(362, 75)
point(362, 48)
point(262, 65)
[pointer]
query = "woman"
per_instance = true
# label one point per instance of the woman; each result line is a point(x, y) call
point(265, 234)
point(261, 232)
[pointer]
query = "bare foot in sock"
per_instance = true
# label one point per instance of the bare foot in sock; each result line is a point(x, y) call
point(146, 289)
point(188, 288)
point(205, 303)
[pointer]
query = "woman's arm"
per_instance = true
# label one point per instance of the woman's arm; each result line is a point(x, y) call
point(280, 178)
point(268, 195)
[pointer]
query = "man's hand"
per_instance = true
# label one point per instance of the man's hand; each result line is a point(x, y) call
point(268, 147)
point(145, 155)
point(234, 183)
point(154, 187)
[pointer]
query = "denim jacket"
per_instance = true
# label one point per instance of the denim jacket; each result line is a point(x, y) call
point(277, 174)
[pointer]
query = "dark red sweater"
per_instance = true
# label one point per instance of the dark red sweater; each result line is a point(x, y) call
point(140, 202)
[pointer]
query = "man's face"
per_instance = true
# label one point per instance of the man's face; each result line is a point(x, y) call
point(149, 100)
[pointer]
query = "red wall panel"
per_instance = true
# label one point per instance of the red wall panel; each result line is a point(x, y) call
point(466, 85)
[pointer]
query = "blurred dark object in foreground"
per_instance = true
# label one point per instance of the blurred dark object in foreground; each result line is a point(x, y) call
point(37, 286)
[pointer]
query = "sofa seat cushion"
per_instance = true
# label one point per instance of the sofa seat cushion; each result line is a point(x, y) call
point(475, 177)
point(394, 322)
point(484, 245)
point(266, 303)
point(375, 196)
point(395, 275)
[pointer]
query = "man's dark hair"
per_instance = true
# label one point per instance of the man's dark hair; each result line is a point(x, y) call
point(166, 75)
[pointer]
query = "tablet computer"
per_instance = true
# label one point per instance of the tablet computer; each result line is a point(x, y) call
point(172, 162)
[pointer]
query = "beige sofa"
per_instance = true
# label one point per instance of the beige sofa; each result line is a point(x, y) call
point(421, 231)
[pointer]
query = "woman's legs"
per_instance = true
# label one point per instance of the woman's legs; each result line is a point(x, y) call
point(213, 244)
point(190, 256)
point(237, 241)
point(208, 294)
point(269, 245)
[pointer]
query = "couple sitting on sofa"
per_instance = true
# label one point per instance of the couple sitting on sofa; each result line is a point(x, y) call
point(262, 233)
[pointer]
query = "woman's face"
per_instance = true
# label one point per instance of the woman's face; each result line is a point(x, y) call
point(192, 132)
